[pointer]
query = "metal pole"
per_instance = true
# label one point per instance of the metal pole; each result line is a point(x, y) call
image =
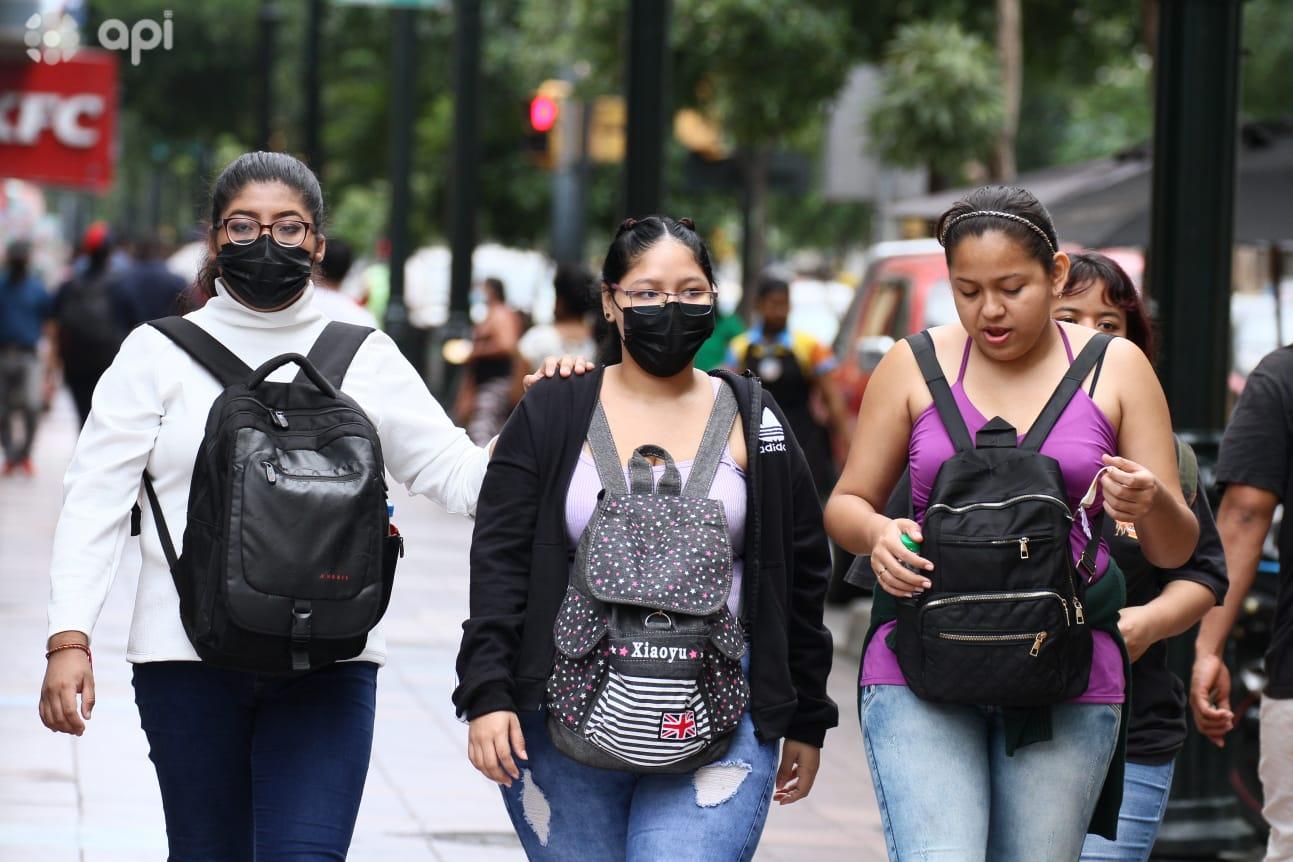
point(1192, 222)
point(313, 87)
point(1191, 235)
point(567, 176)
point(647, 96)
point(269, 16)
point(397, 323)
point(464, 183)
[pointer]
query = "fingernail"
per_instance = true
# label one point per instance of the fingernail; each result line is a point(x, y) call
point(926, 585)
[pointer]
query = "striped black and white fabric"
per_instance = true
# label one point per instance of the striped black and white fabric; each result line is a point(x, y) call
point(649, 721)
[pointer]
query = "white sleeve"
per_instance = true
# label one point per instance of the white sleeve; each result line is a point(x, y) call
point(423, 449)
point(102, 483)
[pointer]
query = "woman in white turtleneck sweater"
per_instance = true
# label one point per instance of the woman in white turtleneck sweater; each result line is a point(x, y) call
point(249, 765)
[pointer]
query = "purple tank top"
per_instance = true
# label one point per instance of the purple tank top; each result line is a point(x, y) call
point(728, 486)
point(1077, 442)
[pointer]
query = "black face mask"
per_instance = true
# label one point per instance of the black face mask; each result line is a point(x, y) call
point(264, 275)
point(664, 342)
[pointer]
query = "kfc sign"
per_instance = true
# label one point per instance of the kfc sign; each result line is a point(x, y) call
point(58, 122)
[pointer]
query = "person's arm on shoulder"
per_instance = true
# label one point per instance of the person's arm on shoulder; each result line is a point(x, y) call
point(1134, 486)
point(501, 551)
point(422, 448)
point(101, 486)
point(877, 456)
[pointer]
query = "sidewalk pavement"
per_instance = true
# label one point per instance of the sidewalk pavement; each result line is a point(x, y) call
point(95, 799)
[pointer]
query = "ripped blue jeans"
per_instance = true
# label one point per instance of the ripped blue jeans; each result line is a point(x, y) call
point(563, 810)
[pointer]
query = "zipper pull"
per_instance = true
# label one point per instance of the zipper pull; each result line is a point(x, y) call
point(1037, 645)
point(1077, 609)
point(279, 417)
point(270, 475)
point(1065, 603)
point(1023, 548)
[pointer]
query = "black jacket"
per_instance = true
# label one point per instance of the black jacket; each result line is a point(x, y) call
point(520, 562)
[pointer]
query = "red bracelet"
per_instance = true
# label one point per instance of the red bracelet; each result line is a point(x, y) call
point(82, 647)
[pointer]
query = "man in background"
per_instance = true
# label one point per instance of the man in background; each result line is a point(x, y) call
point(25, 306)
point(795, 368)
point(331, 302)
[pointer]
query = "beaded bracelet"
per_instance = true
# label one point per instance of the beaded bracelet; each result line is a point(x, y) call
point(82, 647)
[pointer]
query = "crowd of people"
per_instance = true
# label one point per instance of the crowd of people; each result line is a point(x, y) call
point(644, 665)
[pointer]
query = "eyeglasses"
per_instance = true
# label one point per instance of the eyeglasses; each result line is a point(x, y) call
point(695, 301)
point(286, 232)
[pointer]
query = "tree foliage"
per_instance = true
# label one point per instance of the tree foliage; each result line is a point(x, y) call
point(940, 99)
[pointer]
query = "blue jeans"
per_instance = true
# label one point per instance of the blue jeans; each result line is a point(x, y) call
point(254, 766)
point(564, 811)
point(948, 791)
point(1144, 799)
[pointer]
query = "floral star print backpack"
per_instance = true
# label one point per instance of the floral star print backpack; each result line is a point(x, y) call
point(648, 672)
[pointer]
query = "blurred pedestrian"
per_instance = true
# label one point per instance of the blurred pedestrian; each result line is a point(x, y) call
point(1019, 774)
point(329, 299)
point(658, 734)
point(1255, 472)
point(713, 353)
point(249, 764)
point(93, 313)
point(1161, 602)
point(494, 376)
point(151, 289)
point(571, 331)
point(795, 368)
point(25, 308)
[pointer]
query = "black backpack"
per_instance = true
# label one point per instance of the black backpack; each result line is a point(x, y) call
point(647, 676)
point(289, 556)
point(91, 327)
point(1003, 623)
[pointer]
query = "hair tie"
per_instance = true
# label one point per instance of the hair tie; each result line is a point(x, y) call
point(687, 223)
point(627, 225)
point(942, 237)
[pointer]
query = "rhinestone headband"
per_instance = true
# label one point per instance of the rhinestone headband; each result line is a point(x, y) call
point(942, 238)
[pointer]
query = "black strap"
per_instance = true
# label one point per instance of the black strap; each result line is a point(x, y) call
point(204, 348)
point(172, 559)
point(334, 350)
point(1095, 378)
point(1064, 393)
point(922, 345)
point(302, 612)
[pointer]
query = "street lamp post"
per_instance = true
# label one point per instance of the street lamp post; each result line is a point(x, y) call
point(397, 325)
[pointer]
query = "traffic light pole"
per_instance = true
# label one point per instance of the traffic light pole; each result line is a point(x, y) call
point(647, 97)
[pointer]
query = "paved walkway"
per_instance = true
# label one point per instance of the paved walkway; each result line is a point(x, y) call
point(95, 799)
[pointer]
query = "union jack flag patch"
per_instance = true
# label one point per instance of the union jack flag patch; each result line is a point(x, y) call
point(678, 725)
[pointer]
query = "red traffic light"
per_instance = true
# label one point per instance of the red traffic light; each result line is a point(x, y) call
point(543, 113)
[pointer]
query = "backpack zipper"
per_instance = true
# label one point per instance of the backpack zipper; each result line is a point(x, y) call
point(1041, 498)
point(1037, 639)
point(1001, 597)
point(273, 471)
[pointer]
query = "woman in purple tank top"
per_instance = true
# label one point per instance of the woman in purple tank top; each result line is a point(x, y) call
point(970, 782)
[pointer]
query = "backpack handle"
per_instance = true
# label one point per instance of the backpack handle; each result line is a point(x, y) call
point(258, 376)
point(670, 484)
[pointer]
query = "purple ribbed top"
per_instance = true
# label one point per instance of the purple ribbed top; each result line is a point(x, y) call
point(1078, 440)
point(729, 488)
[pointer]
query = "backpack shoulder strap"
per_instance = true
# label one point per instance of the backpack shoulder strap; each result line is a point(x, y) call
point(334, 350)
point(607, 458)
point(712, 445)
point(1068, 387)
point(205, 349)
point(922, 345)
